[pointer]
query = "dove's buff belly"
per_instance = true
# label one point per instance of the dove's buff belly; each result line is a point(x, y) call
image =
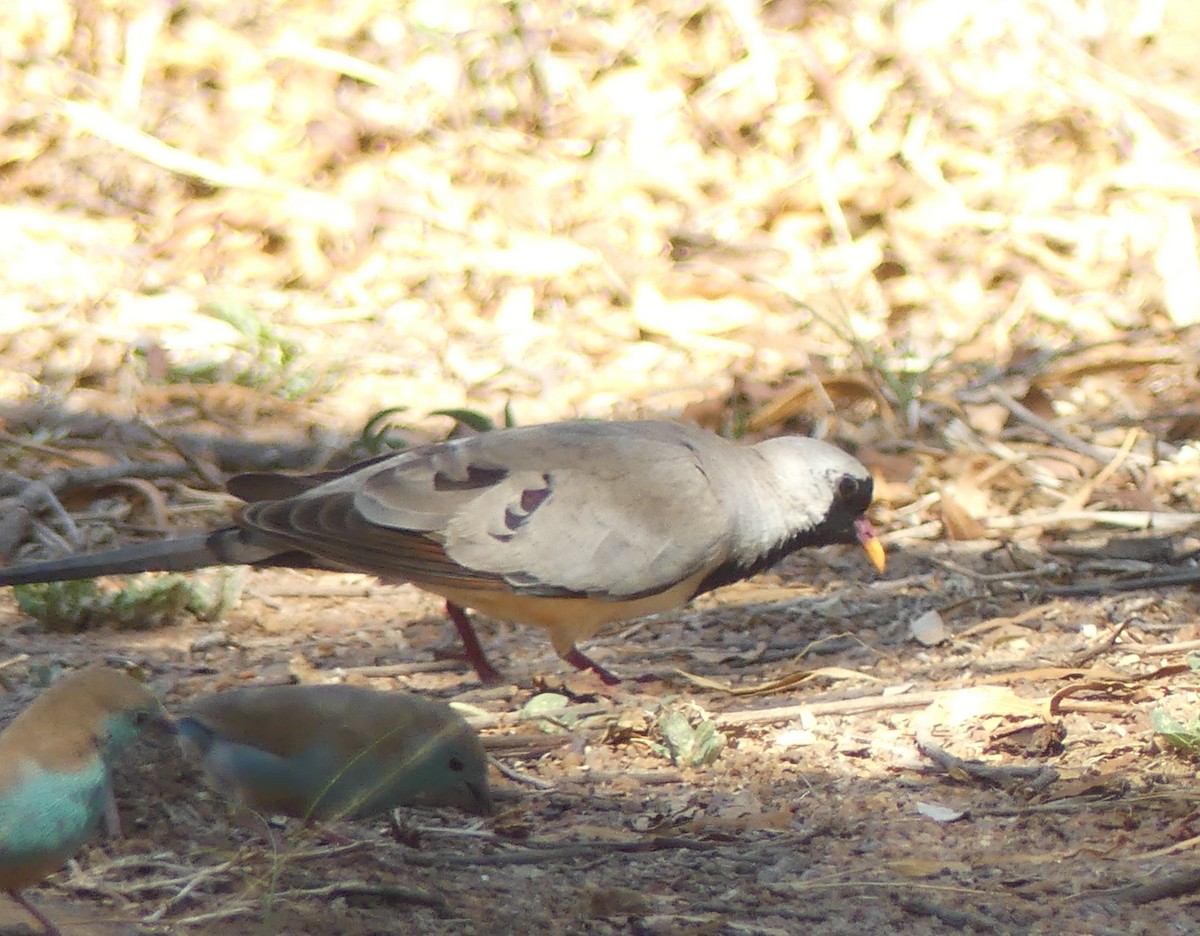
point(569, 620)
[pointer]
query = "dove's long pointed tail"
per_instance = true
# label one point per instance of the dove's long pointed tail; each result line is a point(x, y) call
point(228, 546)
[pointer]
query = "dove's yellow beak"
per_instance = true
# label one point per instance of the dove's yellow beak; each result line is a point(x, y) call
point(870, 542)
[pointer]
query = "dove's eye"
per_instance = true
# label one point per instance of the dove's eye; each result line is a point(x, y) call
point(456, 764)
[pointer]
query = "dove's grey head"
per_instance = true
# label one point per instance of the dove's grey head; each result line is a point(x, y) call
point(819, 480)
point(805, 492)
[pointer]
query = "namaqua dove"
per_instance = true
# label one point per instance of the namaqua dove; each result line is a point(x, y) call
point(335, 752)
point(56, 760)
point(568, 526)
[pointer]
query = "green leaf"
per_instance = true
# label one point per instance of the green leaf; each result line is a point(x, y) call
point(689, 746)
point(1176, 734)
point(678, 735)
point(376, 436)
point(707, 744)
point(541, 705)
point(472, 419)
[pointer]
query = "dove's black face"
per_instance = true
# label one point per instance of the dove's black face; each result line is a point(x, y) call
point(844, 522)
point(854, 495)
point(847, 520)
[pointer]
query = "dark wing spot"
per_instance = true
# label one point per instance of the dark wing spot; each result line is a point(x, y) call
point(476, 478)
point(531, 500)
point(456, 764)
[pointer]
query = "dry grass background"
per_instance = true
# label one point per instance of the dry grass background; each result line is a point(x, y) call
point(959, 238)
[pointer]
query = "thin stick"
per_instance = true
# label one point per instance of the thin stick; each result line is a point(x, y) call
point(513, 774)
point(1128, 519)
point(1184, 646)
point(90, 476)
point(875, 703)
point(1035, 778)
point(1080, 498)
point(537, 856)
point(190, 883)
point(1170, 580)
point(1100, 453)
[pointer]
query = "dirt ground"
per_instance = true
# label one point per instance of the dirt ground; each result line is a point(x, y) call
point(957, 239)
point(808, 821)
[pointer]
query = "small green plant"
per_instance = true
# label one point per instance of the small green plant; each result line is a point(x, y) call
point(687, 745)
point(143, 603)
point(1182, 736)
point(377, 434)
point(473, 419)
point(269, 361)
point(549, 710)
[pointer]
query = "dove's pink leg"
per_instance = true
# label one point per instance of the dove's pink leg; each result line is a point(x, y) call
point(472, 648)
point(489, 675)
point(580, 660)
